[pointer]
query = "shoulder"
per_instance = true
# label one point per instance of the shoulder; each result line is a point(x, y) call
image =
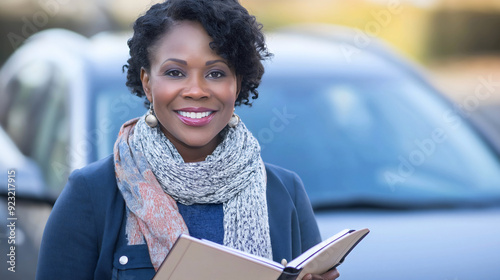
point(280, 179)
point(98, 176)
point(280, 173)
point(94, 183)
point(102, 170)
point(93, 193)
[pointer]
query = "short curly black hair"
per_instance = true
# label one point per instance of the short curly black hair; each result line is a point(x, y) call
point(237, 37)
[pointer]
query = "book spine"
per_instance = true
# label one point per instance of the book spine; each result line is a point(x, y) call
point(289, 273)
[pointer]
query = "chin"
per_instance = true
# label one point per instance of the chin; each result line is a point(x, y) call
point(200, 140)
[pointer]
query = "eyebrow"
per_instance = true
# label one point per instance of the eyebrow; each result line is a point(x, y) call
point(183, 62)
point(210, 62)
point(176, 60)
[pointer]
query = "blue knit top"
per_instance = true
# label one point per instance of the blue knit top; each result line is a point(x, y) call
point(204, 221)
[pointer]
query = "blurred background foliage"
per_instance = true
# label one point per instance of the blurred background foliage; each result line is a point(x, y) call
point(424, 30)
point(435, 33)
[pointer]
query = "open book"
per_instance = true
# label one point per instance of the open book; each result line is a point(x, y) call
point(193, 258)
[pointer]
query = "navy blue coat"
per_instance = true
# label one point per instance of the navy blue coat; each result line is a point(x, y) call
point(84, 236)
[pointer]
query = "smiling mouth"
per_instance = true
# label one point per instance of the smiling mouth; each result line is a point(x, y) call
point(196, 119)
point(195, 115)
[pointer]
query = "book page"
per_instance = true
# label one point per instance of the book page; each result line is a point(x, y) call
point(318, 247)
point(328, 253)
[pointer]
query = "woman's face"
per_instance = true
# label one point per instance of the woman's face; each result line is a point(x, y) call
point(192, 89)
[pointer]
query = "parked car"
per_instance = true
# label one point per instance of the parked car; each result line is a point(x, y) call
point(62, 99)
point(375, 144)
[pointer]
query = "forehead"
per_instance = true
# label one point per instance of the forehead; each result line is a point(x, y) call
point(183, 39)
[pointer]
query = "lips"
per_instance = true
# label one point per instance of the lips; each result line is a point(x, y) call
point(196, 116)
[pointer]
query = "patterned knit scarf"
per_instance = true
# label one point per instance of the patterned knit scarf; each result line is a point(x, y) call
point(152, 176)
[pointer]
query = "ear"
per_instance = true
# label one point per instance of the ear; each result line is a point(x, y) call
point(238, 85)
point(145, 84)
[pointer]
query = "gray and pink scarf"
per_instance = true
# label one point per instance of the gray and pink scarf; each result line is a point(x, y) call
point(152, 177)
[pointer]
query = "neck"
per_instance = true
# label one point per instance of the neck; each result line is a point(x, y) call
point(194, 154)
point(191, 153)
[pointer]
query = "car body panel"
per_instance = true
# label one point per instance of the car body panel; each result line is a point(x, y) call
point(438, 244)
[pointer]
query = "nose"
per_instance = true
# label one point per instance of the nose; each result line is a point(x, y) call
point(196, 88)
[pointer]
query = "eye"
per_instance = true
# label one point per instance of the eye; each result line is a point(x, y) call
point(216, 74)
point(174, 73)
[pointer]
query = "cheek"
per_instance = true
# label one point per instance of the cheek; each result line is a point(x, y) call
point(230, 92)
point(163, 92)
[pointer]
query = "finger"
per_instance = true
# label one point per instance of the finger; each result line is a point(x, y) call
point(307, 277)
point(331, 274)
point(310, 276)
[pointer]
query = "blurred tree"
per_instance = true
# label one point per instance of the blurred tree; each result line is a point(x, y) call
point(415, 27)
point(22, 18)
point(463, 32)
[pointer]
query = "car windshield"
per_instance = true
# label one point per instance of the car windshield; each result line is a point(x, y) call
point(372, 141)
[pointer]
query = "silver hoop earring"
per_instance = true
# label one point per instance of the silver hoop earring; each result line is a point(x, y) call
point(234, 120)
point(151, 119)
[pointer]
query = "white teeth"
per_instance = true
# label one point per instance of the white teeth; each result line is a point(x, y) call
point(194, 115)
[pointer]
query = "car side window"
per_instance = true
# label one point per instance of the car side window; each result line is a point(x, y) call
point(37, 119)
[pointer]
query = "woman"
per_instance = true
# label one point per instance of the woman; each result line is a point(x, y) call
point(189, 165)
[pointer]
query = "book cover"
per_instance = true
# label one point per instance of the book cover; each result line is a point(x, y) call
point(193, 258)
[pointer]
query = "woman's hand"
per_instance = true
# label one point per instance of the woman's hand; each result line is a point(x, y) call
point(329, 275)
